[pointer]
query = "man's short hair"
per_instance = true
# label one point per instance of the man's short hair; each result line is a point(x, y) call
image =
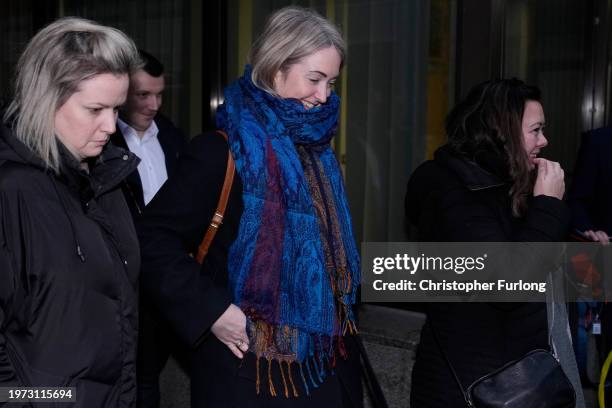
point(152, 66)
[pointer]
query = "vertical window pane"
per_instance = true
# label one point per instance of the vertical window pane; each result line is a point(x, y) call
point(545, 46)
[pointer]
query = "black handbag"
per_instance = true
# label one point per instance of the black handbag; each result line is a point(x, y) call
point(535, 380)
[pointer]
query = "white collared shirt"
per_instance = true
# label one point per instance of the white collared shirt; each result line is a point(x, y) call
point(152, 166)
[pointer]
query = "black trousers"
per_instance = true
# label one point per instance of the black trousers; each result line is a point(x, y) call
point(156, 342)
point(219, 379)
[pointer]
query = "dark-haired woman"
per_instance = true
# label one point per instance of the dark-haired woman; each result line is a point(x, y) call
point(487, 184)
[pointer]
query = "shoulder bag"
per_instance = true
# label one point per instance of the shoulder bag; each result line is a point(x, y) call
point(534, 380)
point(217, 218)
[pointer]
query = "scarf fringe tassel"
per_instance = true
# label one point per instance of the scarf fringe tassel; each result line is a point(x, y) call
point(313, 372)
point(313, 369)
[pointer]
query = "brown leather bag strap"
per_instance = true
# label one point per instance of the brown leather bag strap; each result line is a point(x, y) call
point(217, 218)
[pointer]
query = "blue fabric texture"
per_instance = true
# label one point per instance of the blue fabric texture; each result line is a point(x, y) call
point(280, 272)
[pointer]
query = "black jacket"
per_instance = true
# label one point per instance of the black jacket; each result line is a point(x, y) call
point(455, 200)
point(172, 141)
point(69, 262)
point(189, 297)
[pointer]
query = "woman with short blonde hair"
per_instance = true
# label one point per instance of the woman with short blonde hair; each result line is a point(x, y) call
point(69, 257)
point(55, 62)
point(290, 35)
point(271, 309)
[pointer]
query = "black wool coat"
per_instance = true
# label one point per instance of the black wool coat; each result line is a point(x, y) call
point(455, 200)
point(69, 264)
point(192, 297)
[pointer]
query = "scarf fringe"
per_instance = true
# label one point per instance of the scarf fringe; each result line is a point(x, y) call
point(258, 381)
point(280, 364)
point(295, 393)
point(304, 380)
point(279, 343)
point(312, 381)
point(313, 371)
point(270, 382)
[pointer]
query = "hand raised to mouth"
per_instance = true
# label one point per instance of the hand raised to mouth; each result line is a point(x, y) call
point(550, 180)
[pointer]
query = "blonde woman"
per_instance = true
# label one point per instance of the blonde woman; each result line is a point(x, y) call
point(69, 254)
point(270, 313)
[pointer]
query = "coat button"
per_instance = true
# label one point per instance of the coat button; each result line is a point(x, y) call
point(125, 157)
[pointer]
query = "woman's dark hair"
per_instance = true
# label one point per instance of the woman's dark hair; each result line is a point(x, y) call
point(488, 124)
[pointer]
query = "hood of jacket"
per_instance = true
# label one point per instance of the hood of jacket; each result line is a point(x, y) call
point(11, 149)
point(447, 169)
point(479, 174)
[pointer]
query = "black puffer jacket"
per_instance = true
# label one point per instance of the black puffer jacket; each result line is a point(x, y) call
point(455, 200)
point(69, 264)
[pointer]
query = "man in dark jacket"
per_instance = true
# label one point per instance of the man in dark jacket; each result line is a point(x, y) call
point(143, 130)
point(158, 143)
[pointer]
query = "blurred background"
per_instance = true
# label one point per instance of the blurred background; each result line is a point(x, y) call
point(408, 62)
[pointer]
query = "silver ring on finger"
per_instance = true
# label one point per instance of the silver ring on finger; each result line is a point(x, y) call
point(240, 343)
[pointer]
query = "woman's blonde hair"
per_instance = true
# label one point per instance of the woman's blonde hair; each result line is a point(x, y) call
point(57, 59)
point(290, 34)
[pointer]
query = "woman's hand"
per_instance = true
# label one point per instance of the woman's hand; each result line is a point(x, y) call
point(598, 236)
point(550, 180)
point(230, 329)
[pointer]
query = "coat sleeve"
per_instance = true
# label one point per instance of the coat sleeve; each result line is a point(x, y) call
point(7, 290)
point(172, 226)
point(583, 191)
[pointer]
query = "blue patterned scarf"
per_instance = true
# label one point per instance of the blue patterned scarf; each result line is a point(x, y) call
point(294, 266)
